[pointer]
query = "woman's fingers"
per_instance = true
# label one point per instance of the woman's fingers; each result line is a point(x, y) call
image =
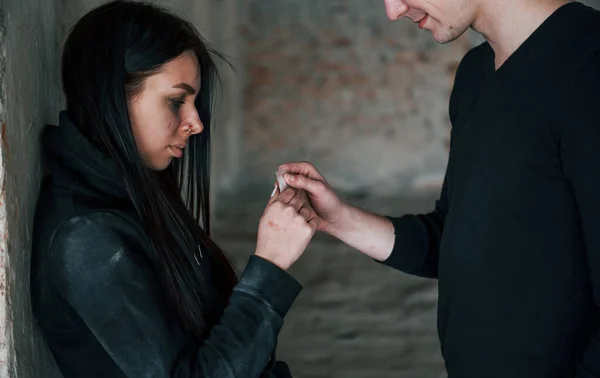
point(306, 213)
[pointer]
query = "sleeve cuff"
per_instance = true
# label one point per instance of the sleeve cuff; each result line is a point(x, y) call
point(409, 232)
point(271, 283)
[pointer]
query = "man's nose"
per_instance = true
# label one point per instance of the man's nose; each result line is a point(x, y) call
point(395, 9)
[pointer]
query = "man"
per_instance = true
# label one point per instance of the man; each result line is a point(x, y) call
point(515, 235)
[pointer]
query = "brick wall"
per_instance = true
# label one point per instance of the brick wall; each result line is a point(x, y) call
point(336, 83)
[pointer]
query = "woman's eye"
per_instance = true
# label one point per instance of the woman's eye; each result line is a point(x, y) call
point(176, 104)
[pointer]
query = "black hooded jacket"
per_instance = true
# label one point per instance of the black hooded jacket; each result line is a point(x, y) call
point(96, 292)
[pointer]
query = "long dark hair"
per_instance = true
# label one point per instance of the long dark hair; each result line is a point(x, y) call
point(107, 56)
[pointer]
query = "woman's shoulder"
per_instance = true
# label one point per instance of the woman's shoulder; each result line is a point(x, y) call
point(98, 228)
point(95, 246)
point(92, 260)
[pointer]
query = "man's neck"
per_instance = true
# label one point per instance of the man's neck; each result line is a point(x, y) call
point(507, 24)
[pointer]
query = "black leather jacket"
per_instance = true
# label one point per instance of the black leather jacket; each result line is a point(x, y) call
point(96, 294)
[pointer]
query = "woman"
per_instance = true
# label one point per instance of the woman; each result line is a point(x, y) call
point(125, 279)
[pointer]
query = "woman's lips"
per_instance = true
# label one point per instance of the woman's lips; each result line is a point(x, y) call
point(177, 151)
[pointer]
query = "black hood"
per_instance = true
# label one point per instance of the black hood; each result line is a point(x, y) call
point(77, 166)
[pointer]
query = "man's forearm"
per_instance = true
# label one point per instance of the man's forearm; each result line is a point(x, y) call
point(369, 233)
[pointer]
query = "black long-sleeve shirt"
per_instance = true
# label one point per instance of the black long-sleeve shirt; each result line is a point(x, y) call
point(515, 236)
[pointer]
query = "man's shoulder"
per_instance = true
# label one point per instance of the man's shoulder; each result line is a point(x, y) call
point(473, 64)
point(589, 15)
point(580, 50)
point(477, 55)
point(469, 78)
point(585, 32)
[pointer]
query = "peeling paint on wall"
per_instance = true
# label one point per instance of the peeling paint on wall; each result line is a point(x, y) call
point(30, 99)
point(6, 344)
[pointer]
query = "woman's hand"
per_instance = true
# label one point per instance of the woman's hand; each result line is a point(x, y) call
point(286, 227)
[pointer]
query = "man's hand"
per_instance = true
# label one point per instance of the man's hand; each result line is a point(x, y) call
point(369, 233)
point(326, 203)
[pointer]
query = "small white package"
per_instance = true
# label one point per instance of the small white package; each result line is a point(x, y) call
point(280, 181)
point(281, 184)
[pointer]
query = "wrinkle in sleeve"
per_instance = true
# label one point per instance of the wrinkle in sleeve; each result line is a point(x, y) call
point(113, 289)
point(580, 154)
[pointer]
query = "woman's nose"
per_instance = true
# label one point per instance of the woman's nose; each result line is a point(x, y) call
point(193, 124)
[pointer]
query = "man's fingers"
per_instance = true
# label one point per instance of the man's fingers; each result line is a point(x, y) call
point(302, 195)
point(302, 168)
point(313, 187)
point(297, 203)
point(315, 223)
point(287, 195)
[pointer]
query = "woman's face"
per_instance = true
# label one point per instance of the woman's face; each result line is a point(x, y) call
point(163, 115)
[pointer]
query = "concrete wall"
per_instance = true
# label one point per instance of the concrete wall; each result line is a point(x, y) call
point(30, 99)
point(592, 3)
point(228, 115)
point(5, 332)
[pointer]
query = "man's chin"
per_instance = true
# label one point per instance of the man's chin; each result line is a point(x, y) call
point(443, 37)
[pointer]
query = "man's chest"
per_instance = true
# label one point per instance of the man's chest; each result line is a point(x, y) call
point(507, 143)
